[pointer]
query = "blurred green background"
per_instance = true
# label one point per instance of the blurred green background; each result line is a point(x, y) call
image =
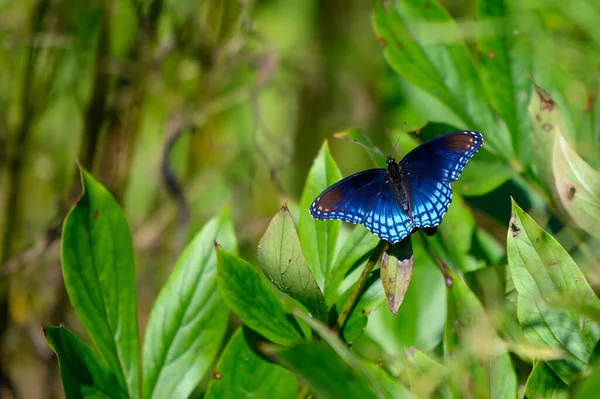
point(181, 107)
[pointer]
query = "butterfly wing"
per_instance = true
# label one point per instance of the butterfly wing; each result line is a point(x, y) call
point(442, 158)
point(387, 219)
point(350, 199)
point(428, 170)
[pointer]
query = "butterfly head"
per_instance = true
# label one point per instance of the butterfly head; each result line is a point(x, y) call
point(390, 160)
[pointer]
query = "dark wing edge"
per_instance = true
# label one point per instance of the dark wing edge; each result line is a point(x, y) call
point(351, 198)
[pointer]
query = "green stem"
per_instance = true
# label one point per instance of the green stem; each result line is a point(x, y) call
point(360, 285)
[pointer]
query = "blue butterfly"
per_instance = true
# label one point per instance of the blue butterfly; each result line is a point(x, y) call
point(412, 194)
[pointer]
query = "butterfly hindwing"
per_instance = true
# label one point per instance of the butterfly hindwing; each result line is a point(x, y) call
point(387, 219)
point(429, 200)
point(442, 158)
point(351, 198)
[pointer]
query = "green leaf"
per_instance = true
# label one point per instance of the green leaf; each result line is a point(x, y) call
point(188, 320)
point(282, 261)
point(355, 252)
point(577, 186)
point(456, 234)
point(422, 44)
point(322, 369)
point(98, 269)
point(482, 177)
point(371, 298)
point(340, 348)
point(243, 373)
point(470, 339)
point(356, 136)
point(420, 320)
point(250, 296)
point(396, 272)
point(546, 119)
point(82, 371)
point(544, 274)
point(425, 374)
point(544, 383)
point(504, 62)
point(318, 237)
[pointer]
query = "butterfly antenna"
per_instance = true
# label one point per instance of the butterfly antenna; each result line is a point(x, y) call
point(369, 148)
point(397, 141)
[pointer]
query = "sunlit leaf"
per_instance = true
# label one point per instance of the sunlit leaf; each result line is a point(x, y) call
point(577, 186)
point(188, 320)
point(470, 340)
point(98, 269)
point(545, 276)
point(243, 373)
point(282, 261)
point(396, 272)
point(251, 297)
point(422, 43)
point(504, 63)
point(318, 237)
point(81, 369)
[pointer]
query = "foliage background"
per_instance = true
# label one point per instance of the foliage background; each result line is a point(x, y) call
point(230, 100)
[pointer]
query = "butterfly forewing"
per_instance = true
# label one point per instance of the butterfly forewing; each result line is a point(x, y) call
point(350, 199)
point(442, 158)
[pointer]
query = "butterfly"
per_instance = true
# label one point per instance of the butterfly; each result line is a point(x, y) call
point(412, 194)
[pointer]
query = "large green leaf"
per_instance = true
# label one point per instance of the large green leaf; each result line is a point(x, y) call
point(577, 186)
point(547, 120)
point(545, 276)
point(98, 269)
point(504, 63)
point(318, 237)
point(323, 370)
point(481, 177)
point(282, 261)
point(82, 371)
point(470, 339)
point(355, 251)
point(244, 373)
point(422, 43)
point(251, 297)
point(188, 320)
point(544, 383)
point(342, 350)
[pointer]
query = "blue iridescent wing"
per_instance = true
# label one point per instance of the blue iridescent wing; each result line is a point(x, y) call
point(387, 219)
point(350, 199)
point(428, 170)
point(442, 158)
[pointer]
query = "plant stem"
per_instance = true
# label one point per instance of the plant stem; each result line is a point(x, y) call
point(360, 284)
point(304, 393)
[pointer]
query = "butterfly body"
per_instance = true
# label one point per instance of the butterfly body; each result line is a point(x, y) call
point(412, 194)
